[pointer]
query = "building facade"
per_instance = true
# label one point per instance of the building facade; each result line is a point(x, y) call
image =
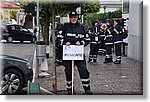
point(135, 38)
point(8, 9)
point(110, 5)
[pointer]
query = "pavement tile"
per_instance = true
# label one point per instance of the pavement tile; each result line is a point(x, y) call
point(106, 79)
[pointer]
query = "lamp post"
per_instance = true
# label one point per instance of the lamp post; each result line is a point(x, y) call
point(37, 20)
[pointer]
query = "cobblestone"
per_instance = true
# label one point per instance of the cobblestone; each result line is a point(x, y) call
point(111, 79)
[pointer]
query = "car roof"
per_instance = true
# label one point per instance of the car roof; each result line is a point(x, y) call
point(12, 24)
point(13, 58)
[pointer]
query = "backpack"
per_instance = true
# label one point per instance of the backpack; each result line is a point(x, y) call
point(124, 33)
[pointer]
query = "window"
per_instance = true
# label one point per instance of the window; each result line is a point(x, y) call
point(17, 28)
point(6, 20)
point(125, 6)
point(12, 28)
point(6, 12)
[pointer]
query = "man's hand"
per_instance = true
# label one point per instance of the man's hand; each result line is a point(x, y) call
point(68, 43)
point(81, 36)
point(77, 43)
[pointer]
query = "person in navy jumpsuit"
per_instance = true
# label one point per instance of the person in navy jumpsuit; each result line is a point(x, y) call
point(74, 34)
point(117, 39)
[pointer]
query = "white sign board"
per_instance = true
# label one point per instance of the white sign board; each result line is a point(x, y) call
point(73, 52)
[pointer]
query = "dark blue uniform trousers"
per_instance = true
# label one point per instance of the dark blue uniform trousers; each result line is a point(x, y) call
point(83, 72)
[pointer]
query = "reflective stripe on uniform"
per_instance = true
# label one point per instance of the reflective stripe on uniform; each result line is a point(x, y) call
point(108, 43)
point(119, 57)
point(94, 55)
point(69, 85)
point(107, 56)
point(90, 55)
point(86, 85)
point(109, 36)
point(69, 82)
point(70, 34)
point(88, 39)
point(101, 35)
point(83, 42)
point(85, 80)
point(101, 50)
point(94, 42)
point(108, 31)
point(117, 42)
point(116, 31)
point(123, 30)
point(60, 36)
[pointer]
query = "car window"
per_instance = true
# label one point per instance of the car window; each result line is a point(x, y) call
point(23, 29)
point(12, 27)
point(17, 28)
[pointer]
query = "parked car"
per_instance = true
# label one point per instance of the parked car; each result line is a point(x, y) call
point(13, 32)
point(2, 27)
point(16, 72)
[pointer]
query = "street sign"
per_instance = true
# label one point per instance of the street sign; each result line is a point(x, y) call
point(78, 10)
point(73, 52)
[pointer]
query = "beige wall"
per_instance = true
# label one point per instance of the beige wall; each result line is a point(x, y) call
point(5, 14)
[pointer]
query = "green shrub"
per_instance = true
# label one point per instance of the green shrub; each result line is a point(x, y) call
point(89, 17)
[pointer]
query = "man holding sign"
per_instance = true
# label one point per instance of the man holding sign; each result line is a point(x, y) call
point(74, 36)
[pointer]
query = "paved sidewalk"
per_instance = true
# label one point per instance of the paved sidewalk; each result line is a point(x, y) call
point(125, 78)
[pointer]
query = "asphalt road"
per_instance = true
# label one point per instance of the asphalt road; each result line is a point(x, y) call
point(23, 50)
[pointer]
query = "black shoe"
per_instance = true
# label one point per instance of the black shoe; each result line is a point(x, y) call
point(90, 60)
point(110, 60)
point(106, 60)
point(88, 92)
point(69, 92)
point(117, 62)
point(94, 60)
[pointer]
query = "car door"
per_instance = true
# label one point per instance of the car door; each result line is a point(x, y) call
point(16, 32)
point(25, 33)
point(11, 30)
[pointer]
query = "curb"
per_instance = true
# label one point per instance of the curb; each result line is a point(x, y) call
point(43, 91)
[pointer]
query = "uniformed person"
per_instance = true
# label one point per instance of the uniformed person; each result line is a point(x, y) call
point(108, 42)
point(95, 41)
point(59, 43)
point(117, 38)
point(74, 35)
point(103, 27)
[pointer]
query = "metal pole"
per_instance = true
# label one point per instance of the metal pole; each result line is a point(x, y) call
point(37, 21)
point(38, 36)
point(72, 74)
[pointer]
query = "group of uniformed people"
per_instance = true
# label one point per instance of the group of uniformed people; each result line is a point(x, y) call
point(105, 36)
point(102, 36)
